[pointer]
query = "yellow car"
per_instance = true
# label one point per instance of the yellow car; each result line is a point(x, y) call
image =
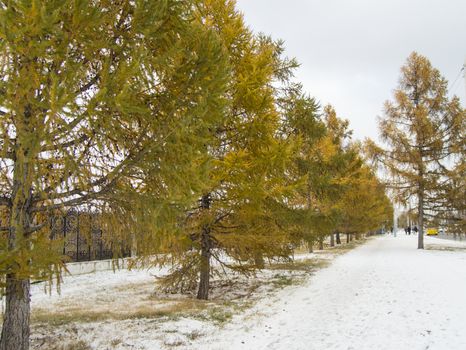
point(431, 231)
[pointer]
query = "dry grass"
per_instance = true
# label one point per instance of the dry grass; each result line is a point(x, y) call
point(138, 301)
point(164, 309)
point(445, 248)
point(307, 265)
point(345, 247)
point(115, 342)
point(219, 309)
point(73, 345)
point(303, 249)
point(67, 318)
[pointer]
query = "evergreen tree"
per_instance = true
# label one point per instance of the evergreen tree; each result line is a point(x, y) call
point(92, 94)
point(421, 129)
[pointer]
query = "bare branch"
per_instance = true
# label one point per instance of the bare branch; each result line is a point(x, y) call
point(65, 144)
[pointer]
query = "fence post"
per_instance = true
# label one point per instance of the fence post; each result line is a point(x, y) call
point(64, 235)
point(77, 236)
point(101, 246)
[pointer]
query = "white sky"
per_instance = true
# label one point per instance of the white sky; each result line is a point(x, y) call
point(351, 50)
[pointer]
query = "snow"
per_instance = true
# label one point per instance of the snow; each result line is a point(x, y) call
point(445, 242)
point(385, 294)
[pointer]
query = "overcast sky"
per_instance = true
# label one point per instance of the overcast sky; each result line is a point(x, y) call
point(351, 51)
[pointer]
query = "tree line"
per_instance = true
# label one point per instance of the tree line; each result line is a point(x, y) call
point(183, 129)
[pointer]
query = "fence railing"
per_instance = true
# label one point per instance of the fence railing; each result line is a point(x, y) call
point(83, 238)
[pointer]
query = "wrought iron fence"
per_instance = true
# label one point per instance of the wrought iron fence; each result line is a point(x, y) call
point(83, 238)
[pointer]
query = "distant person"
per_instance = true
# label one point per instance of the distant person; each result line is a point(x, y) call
point(409, 230)
point(415, 229)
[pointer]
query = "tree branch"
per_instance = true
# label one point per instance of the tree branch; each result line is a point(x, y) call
point(65, 144)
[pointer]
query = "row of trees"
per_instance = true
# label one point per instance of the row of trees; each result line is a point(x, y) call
point(176, 124)
point(424, 150)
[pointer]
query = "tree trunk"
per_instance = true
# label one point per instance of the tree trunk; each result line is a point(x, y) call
point(310, 242)
point(15, 330)
point(259, 260)
point(321, 243)
point(337, 238)
point(310, 246)
point(16, 321)
point(134, 247)
point(347, 238)
point(332, 240)
point(204, 278)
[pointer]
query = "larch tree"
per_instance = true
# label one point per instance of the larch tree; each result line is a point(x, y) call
point(336, 166)
point(325, 166)
point(91, 94)
point(421, 130)
point(320, 162)
point(233, 223)
point(337, 162)
point(448, 207)
point(364, 205)
point(301, 120)
point(450, 202)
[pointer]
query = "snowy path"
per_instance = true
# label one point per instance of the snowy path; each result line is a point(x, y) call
point(383, 295)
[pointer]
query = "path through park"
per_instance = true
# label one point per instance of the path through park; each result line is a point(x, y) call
point(385, 294)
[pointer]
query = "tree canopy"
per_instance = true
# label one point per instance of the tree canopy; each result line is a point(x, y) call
point(181, 129)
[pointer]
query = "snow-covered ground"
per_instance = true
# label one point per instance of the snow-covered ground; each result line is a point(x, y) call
point(385, 294)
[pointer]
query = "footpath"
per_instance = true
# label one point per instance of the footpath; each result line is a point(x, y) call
point(385, 294)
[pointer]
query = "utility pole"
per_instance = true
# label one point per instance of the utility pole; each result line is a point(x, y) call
point(395, 220)
point(409, 214)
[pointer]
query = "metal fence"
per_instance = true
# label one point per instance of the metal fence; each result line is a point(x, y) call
point(83, 239)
